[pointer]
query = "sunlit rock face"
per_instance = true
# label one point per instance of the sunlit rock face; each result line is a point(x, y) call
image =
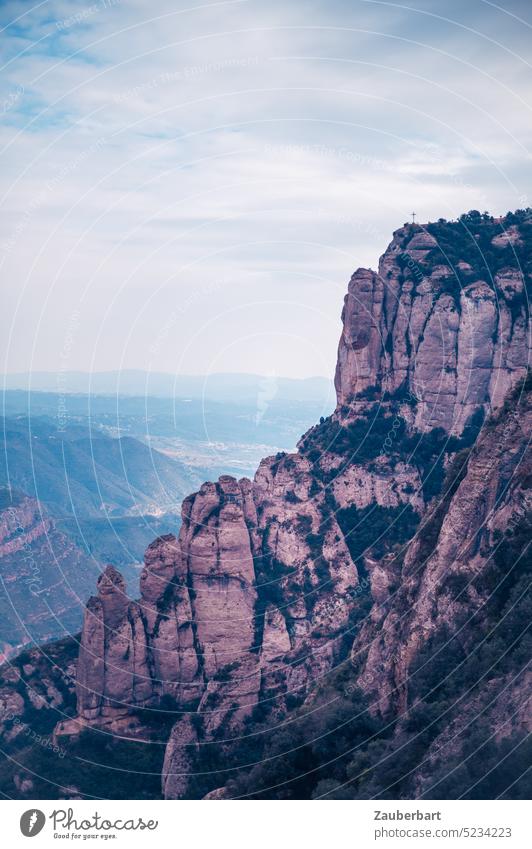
point(451, 335)
point(447, 573)
point(322, 558)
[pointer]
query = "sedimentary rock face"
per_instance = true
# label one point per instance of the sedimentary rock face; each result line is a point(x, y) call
point(271, 582)
point(453, 548)
point(452, 339)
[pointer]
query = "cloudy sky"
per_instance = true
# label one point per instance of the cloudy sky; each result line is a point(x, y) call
point(187, 187)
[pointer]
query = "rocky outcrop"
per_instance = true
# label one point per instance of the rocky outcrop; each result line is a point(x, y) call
point(112, 666)
point(350, 547)
point(448, 336)
point(444, 578)
point(216, 549)
point(195, 617)
point(256, 580)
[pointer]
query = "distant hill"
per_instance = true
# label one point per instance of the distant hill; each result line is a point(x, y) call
point(48, 567)
point(100, 500)
point(85, 473)
point(234, 388)
point(215, 437)
point(45, 578)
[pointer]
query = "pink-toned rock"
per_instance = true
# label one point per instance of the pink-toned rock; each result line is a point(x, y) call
point(402, 331)
point(179, 757)
point(259, 596)
point(360, 347)
point(462, 548)
point(275, 640)
point(511, 236)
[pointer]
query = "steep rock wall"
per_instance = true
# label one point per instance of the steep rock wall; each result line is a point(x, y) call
point(271, 581)
point(433, 329)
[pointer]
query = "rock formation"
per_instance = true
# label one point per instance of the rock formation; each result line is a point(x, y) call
point(444, 577)
point(361, 547)
point(454, 336)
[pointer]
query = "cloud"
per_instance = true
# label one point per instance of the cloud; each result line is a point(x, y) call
point(149, 152)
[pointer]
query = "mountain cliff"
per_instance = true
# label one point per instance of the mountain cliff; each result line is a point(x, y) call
point(444, 320)
point(333, 627)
